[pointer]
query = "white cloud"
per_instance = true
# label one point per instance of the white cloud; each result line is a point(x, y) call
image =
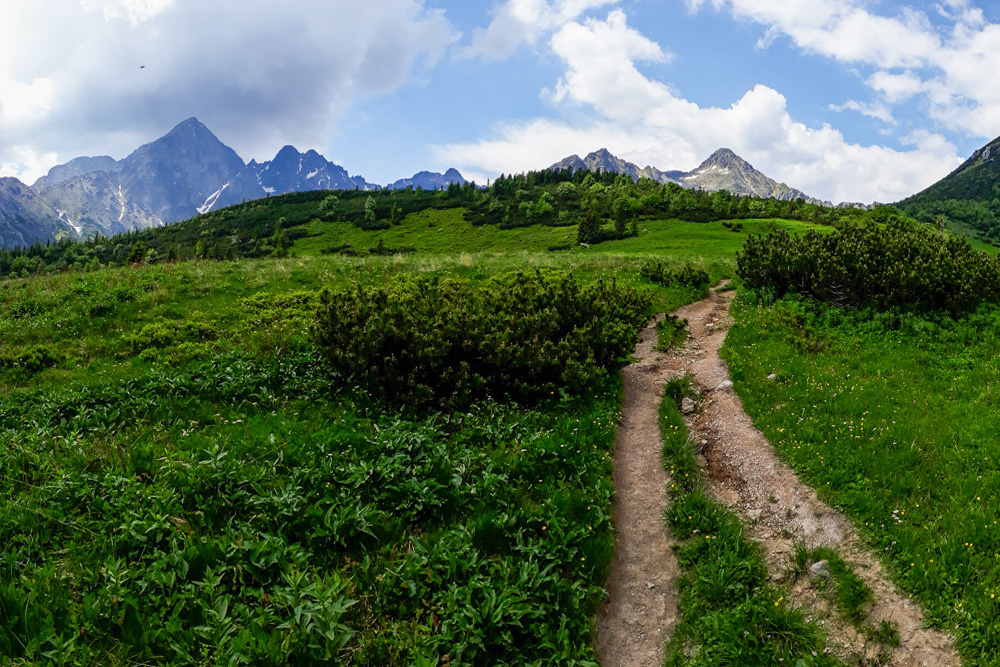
point(27, 165)
point(136, 11)
point(951, 66)
point(877, 111)
point(519, 22)
point(103, 76)
point(643, 120)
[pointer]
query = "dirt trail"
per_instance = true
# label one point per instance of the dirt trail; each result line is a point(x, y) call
point(746, 475)
point(633, 626)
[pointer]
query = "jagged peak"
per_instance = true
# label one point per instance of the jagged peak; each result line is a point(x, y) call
point(725, 157)
point(192, 124)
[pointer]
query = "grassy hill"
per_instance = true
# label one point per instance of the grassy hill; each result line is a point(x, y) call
point(192, 474)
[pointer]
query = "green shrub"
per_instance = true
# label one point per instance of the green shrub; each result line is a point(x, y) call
point(899, 264)
point(164, 333)
point(519, 336)
point(658, 272)
point(671, 331)
point(32, 359)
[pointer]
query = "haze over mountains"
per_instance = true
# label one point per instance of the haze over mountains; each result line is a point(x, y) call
point(186, 172)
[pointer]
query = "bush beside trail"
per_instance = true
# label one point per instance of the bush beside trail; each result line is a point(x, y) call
point(521, 336)
point(899, 264)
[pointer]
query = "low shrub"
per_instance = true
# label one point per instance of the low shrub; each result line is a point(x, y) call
point(520, 336)
point(898, 264)
point(659, 272)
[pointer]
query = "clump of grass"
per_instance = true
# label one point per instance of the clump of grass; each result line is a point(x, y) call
point(730, 615)
point(851, 595)
point(671, 331)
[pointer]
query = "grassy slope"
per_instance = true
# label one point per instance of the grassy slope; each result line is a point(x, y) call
point(894, 419)
point(173, 501)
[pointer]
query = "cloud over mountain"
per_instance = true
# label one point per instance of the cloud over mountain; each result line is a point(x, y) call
point(645, 120)
point(104, 73)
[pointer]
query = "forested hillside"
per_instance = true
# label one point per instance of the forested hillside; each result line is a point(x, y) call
point(600, 207)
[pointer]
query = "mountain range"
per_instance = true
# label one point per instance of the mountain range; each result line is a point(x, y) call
point(186, 172)
point(723, 170)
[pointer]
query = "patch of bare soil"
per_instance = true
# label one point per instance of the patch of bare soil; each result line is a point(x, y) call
point(780, 511)
point(635, 622)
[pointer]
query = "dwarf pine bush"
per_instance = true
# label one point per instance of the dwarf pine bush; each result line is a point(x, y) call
point(520, 336)
point(899, 264)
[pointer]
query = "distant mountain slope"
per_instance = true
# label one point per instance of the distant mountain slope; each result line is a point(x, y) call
point(967, 198)
point(602, 160)
point(24, 217)
point(723, 170)
point(186, 172)
point(160, 182)
point(428, 180)
point(292, 171)
point(76, 167)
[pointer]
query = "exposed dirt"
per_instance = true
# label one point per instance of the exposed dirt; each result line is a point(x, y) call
point(780, 511)
point(634, 624)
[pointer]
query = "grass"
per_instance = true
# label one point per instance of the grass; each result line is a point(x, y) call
point(671, 332)
point(893, 418)
point(444, 232)
point(182, 482)
point(244, 509)
point(729, 614)
point(850, 594)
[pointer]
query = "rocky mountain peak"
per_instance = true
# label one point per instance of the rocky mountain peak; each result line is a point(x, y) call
point(726, 159)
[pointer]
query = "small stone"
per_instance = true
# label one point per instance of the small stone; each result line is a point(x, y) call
point(725, 386)
point(778, 577)
point(650, 585)
point(754, 515)
point(687, 405)
point(819, 570)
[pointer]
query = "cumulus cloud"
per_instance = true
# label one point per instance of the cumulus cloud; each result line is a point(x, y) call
point(877, 111)
point(519, 22)
point(645, 121)
point(950, 63)
point(106, 75)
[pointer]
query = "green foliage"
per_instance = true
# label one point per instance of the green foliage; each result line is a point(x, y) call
point(898, 264)
point(659, 272)
point(729, 613)
point(519, 336)
point(671, 331)
point(894, 421)
point(32, 359)
point(165, 333)
point(850, 594)
point(238, 513)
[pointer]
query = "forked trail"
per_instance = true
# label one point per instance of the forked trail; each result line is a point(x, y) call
point(744, 474)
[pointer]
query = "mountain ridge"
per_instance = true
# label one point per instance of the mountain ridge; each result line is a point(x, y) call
point(186, 172)
point(723, 170)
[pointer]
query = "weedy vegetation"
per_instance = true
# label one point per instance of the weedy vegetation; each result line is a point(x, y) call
point(730, 614)
point(887, 407)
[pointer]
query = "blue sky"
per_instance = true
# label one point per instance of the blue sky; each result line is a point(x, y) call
point(847, 100)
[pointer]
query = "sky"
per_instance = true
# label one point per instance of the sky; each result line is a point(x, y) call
point(846, 100)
